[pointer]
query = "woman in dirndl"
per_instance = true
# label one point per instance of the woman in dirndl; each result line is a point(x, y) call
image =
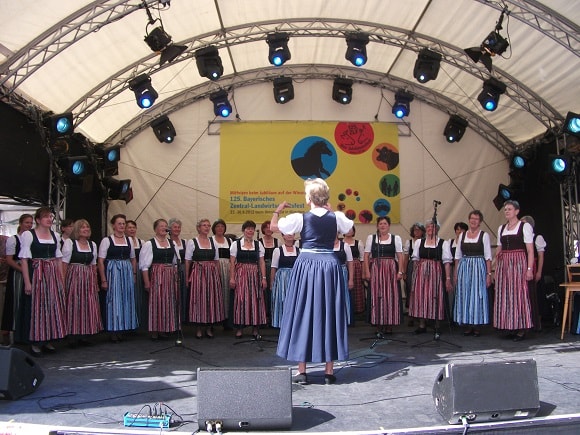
point(248, 279)
point(314, 323)
point(223, 244)
point(206, 302)
point(514, 266)
point(357, 294)
point(79, 256)
point(283, 259)
point(141, 296)
point(118, 269)
point(433, 257)
point(158, 265)
point(472, 276)
point(13, 318)
point(382, 262)
point(43, 283)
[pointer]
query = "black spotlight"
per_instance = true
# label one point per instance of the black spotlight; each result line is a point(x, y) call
point(145, 95)
point(109, 159)
point(278, 53)
point(118, 189)
point(455, 128)
point(221, 105)
point(283, 90)
point(518, 161)
point(427, 65)
point(209, 62)
point(493, 44)
point(489, 96)
point(74, 167)
point(356, 48)
point(342, 90)
point(560, 166)
point(160, 42)
point(572, 124)
point(505, 193)
point(402, 106)
point(60, 125)
point(163, 129)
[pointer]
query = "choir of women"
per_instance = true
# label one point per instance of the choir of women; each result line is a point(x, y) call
point(53, 282)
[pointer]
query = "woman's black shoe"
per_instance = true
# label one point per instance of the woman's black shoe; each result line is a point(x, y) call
point(329, 379)
point(300, 378)
point(35, 351)
point(519, 337)
point(420, 330)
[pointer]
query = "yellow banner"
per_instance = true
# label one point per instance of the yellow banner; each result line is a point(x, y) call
point(265, 163)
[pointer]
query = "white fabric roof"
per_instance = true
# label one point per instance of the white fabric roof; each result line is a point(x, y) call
point(77, 55)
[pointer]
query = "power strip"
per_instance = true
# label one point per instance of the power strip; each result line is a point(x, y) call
point(145, 420)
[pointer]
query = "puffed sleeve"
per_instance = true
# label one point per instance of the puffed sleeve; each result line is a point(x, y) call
point(398, 244)
point(25, 242)
point(189, 248)
point(146, 256)
point(416, 248)
point(369, 243)
point(348, 252)
point(11, 245)
point(67, 249)
point(104, 247)
point(540, 243)
point(94, 247)
point(234, 249)
point(291, 224)
point(275, 258)
point(446, 254)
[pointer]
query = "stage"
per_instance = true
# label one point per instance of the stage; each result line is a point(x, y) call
point(385, 387)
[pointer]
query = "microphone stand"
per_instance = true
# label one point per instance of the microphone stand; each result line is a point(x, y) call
point(379, 336)
point(176, 309)
point(436, 335)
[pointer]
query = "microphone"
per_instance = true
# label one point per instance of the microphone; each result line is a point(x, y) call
point(436, 202)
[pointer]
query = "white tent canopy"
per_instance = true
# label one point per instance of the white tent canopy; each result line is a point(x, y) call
point(77, 55)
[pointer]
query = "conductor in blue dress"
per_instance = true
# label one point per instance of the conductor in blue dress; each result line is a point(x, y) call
point(314, 321)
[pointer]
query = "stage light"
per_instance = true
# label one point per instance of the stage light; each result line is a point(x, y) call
point(118, 189)
point(427, 65)
point(572, 124)
point(356, 50)
point(560, 166)
point(505, 193)
point(342, 90)
point(209, 62)
point(145, 95)
point(283, 90)
point(278, 48)
point(109, 159)
point(402, 105)
point(221, 105)
point(518, 161)
point(74, 166)
point(493, 44)
point(160, 42)
point(59, 125)
point(163, 129)
point(489, 96)
point(455, 128)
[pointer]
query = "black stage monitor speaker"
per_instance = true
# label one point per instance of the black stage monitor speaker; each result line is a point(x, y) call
point(19, 374)
point(244, 398)
point(483, 392)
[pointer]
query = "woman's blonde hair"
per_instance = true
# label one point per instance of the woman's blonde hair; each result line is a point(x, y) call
point(317, 191)
point(77, 228)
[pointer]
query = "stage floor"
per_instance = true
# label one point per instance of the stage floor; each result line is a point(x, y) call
point(381, 388)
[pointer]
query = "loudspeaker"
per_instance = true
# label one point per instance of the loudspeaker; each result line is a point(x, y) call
point(244, 398)
point(19, 374)
point(484, 392)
